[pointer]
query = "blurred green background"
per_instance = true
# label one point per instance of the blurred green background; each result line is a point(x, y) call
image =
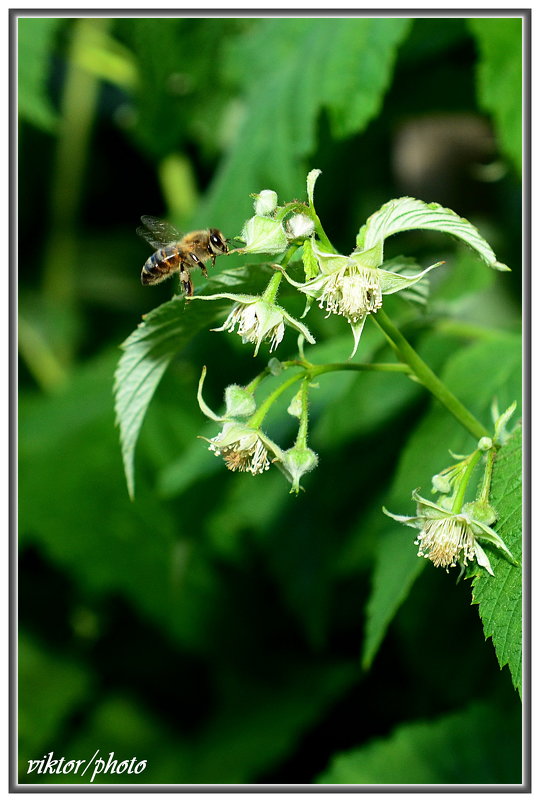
point(217, 627)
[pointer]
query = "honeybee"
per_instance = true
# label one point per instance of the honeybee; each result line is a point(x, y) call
point(177, 253)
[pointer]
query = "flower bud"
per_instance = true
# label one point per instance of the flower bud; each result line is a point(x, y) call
point(274, 366)
point(481, 511)
point(263, 235)
point(300, 226)
point(265, 202)
point(441, 484)
point(297, 461)
point(485, 443)
point(295, 407)
point(239, 402)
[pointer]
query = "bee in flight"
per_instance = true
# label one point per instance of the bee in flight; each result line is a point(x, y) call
point(177, 253)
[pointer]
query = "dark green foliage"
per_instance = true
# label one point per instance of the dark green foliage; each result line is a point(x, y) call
point(458, 749)
point(36, 44)
point(216, 626)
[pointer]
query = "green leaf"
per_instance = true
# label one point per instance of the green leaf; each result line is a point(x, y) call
point(149, 350)
point(499, 81)
point(36, 38)
point(290, 70)
point(500, 597)
point(476, 375)
point(311, 265)
point(50, 688)
point(171, 97)
point(478, 745)
point(406, 214)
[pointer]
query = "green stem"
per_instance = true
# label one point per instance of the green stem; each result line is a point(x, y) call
point(426, 376)
point(254, 383)
point(384, 367)
point(301, 438)
point(308, 373)
point(459, 498)
point(486, 483)
point(270, 293)
point(257, 418)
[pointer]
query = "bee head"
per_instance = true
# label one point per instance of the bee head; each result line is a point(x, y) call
point(218, 243)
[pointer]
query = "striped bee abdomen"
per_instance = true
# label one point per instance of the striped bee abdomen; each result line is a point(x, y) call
point(160, 265)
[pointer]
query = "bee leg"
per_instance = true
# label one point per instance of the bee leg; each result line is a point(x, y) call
point(200, 264)
point(212, 256)
point(187, 283)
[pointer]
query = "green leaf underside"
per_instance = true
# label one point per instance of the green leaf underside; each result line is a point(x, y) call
point(499, 79)
point(404, 214)
point(477, 745)
point(149, 350)
point(477, 375)
point(500, 597)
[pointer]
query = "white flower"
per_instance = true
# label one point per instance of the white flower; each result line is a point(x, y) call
point(256, 320)
point(243, 447)
point(353, 286)
point(451, 538)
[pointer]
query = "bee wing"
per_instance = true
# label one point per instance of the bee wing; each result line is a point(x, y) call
point(157, 232)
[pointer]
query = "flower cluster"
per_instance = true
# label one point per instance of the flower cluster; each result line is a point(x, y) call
point(351, 286)
point(451, 528)
point(450, 538)
point(245, 447)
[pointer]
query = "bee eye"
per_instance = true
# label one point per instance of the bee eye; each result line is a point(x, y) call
point(215, 240)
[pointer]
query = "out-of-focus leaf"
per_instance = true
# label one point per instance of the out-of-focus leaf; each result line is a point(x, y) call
point(499, 79)
point(264, 718)
point(36, 37)
point(257, 723)
point(118, 725)
point(476, 375)
point(291, 69)
point(465, 276)
point(478, 745)
point(50, 687)
point(374, 398)
point(76, 510)
point(500, 597)
point(149, 349)
point(172, 101)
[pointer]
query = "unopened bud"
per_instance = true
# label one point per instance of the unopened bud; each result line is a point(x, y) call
point(481, 511)
point(295, 407)
point(265, 202)
point(300, 226)
point(485, 443)
point(263, 235)
point(441, 483)
point(239, 402)
point(274, 366)
point(297, 461)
